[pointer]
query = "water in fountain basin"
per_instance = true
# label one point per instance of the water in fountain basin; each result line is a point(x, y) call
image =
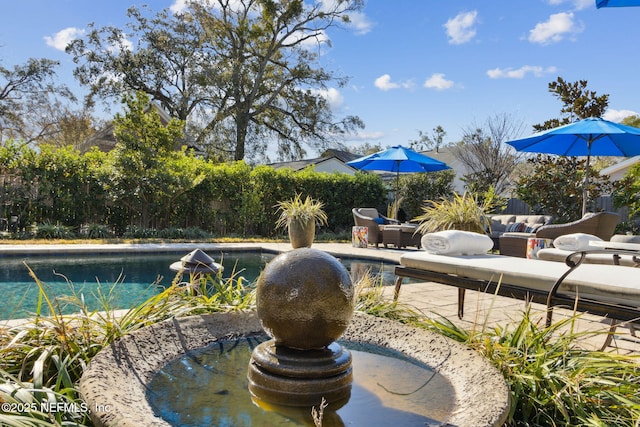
point(209, 387)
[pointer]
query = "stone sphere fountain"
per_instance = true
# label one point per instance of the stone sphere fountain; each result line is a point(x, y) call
point(305, 305)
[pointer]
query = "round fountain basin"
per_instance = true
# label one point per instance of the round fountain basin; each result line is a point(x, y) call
point(116, 383)
point(208, 386)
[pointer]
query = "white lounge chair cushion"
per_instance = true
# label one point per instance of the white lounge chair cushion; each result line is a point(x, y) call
point(560, 255)
point(456, 242)
point(575, 241)
point(610, 283)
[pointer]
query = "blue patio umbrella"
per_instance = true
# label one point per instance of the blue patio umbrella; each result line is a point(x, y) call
point(588, 137)
point(398, 159)
point(616, 3)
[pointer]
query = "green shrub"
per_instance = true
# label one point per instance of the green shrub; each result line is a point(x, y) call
point(96, 231)
point(52, 231)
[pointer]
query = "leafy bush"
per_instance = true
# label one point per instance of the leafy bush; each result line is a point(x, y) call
point(627, 194)
point(138, 232)
point(554, 186)
point(52, 231)
point(96, 231)
point(417, 187)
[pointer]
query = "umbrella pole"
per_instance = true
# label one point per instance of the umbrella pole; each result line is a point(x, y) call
point(585, 183)
point(395, 199)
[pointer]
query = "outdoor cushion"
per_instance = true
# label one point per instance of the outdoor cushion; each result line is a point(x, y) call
point(575, 241)
point(625, 238)
point(560, 255)
point(456, 242)
point(608, 283)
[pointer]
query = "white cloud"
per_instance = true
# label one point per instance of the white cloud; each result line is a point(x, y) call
point(363, 136)
point(519, 73)
point(360, 23)
point(461, 29)
point(577, 4)
point(333, 97)
point(178, 6)
point(438, 82)
point(555, 29)
point(62, 38)
point(384, 83)
point(618, 115)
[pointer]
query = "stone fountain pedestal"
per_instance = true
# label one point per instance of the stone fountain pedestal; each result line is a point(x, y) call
point(305, 302)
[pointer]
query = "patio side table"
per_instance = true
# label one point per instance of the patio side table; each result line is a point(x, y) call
point(401, 235)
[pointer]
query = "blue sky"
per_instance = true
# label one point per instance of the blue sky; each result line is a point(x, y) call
point(414, 64)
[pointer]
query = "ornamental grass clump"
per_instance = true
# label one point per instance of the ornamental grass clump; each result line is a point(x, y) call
point(553, 380)
point(460, 212)
point(42, 360)
point(298, 210)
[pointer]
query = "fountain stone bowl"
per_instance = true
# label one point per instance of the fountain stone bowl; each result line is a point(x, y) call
point(114, 385)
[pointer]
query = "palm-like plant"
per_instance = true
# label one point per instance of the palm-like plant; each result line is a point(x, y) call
point(297, 210)
point(300, 217)
point(461, 212)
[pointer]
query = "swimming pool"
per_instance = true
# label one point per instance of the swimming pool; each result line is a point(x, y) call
point(128, 279)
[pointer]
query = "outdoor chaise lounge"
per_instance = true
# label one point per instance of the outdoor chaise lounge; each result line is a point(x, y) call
point(607, 290)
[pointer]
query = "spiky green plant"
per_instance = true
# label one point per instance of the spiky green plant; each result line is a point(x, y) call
point(301, 211)
point(554, 381)
point(46, 356)
point(460, 212)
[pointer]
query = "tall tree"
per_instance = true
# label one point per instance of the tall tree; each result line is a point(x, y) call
point(31, 101)
point(488, 159)
point(429, 142)
point(577, 103)
point(632, 121)
point(140, 179)
point(239, 73)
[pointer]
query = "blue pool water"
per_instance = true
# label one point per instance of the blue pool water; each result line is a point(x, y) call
point(127, 279)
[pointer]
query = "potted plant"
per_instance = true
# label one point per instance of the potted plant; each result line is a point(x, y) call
point(300, 217)
point(457, 213)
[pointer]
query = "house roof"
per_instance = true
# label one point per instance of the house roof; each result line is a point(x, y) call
point(298, 165)
point(620, 166)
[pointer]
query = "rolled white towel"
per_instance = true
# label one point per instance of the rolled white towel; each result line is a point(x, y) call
point(456, 242)
point(575, 241)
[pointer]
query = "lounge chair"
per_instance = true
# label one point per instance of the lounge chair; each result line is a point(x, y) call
point(607, 290)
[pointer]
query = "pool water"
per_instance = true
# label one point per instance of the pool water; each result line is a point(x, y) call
point(127, 279)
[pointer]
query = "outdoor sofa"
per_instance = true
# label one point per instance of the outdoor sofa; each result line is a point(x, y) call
point(503, 223)
point(600, 224)
point(611, 291)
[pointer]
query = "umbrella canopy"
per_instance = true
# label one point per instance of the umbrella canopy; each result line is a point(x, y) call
point(398, 159)
point(616, 3)
point(588, 137)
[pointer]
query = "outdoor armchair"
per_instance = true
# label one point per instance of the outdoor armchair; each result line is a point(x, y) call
point(371, 218)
